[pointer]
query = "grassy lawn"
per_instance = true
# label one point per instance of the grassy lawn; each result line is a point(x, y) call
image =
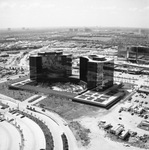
point(66, 108)
point(81, 133)
point(70, 110)
point(16, 94)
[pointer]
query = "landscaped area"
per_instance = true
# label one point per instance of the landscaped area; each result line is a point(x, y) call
point(66, 107)
point(20, 95)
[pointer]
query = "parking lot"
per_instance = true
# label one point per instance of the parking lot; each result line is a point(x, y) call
point(140, 99)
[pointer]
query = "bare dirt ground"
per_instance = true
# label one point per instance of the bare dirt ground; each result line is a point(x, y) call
point(99, 139)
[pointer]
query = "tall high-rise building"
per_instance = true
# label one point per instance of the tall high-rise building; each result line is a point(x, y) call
point(83, 68)
point(35, 63)
point(97, 71)
point(50, 65)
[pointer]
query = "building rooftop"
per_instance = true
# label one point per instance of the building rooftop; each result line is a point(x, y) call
point(97, 58)
point(35, 55)
point(50, 52)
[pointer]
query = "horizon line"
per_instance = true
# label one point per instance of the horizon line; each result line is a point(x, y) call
point(25, 28)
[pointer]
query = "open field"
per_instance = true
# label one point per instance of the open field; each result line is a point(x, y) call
point(16, 94)
point(104, 39)
point(81, 133)
point(66, 108)
point(70, 111)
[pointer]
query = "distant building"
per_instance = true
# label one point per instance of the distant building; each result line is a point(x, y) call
point(144, 31)
point(97, 71)
point(50, 65)
point(87, 30)
point(122, 51)
point(70, 30)
point(9, 29)
point(73, 30)
point(138, 54)
point(76, 29)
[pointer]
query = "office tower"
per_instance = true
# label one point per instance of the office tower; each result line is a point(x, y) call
point(51, 65)
point(97, 71)
point(35, 63)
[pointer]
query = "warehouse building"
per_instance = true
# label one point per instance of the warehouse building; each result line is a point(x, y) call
point(124, 134)
point(117, 129)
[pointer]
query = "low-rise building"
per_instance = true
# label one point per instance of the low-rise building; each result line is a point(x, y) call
point(117, 129)
point(124, 134)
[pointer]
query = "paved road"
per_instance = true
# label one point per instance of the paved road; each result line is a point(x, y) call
point(55, 123)
point(63, 124)
point(9, 137)
point(54, 128)
point(34, 136)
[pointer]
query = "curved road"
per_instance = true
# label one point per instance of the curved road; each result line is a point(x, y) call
point(33, 135)
point(56, 124)
point(9, 137)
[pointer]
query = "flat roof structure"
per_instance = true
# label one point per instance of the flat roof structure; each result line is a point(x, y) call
point(105, 99)
point(97, 58)
point(144, 89)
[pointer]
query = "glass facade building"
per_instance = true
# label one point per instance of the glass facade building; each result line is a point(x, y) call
point(50, 65)
point(138, 54)
point(97, 71)
point(35, 63)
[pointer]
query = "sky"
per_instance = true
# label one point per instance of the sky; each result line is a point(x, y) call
point(67, 13)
